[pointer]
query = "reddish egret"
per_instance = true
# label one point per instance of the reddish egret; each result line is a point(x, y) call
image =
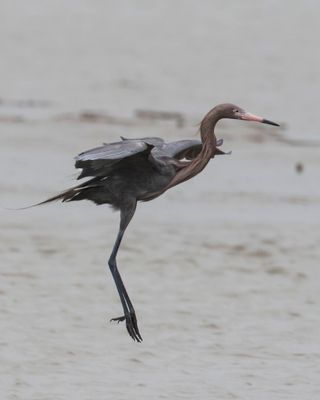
point(133, 170)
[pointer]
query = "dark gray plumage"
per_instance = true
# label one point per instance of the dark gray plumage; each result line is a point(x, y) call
point(132, 170)
point(105, 159)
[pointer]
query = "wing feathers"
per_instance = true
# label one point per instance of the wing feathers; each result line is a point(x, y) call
point(102, 160)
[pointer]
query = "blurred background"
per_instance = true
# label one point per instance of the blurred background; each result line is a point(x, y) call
point(224, 269)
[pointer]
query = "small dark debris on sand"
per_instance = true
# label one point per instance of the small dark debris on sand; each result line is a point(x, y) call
point(299, 167)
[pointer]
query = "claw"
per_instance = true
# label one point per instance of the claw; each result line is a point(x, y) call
point(131, 325)
point(219, 142)
point(119, 319)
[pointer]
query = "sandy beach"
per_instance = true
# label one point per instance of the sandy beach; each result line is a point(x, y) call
point(223, 270)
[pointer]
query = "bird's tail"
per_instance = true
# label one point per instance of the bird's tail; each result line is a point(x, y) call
point(67, 195)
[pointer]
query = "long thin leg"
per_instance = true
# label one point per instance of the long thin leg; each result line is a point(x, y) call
point(126, 215)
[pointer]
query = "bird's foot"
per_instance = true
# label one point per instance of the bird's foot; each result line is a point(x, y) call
point(219, 142)
point(131, 324)
point(119, 319)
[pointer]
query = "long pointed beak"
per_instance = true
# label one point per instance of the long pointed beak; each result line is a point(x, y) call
point(252, 117)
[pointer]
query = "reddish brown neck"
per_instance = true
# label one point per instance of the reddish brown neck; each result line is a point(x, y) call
point(207, 152)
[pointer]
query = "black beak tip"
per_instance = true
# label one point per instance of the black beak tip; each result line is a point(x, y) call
point(266, 121)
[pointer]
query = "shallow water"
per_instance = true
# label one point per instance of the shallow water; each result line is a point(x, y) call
point(224, 269)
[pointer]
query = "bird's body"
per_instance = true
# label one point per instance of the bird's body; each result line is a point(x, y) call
point(132, 170)
point(135, 169)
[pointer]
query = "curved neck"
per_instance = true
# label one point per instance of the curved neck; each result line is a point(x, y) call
point(208, 137)
point(207, 152)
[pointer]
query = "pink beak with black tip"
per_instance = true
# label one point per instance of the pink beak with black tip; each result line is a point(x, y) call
point(251, 117)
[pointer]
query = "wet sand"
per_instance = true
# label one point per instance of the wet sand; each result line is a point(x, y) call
point(224, 269)
point(223, 272)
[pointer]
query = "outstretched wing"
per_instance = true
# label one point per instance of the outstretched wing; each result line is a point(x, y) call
point(153, 141)
point(103, 160)
point(187, 149)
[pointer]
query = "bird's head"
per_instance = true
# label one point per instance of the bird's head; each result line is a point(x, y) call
point(235, 112)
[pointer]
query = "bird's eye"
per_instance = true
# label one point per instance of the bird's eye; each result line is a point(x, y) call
point(235, 111)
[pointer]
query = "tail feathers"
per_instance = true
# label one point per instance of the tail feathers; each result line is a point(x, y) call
point(67, 195)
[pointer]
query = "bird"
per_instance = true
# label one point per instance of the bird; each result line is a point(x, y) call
point(129, 171)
